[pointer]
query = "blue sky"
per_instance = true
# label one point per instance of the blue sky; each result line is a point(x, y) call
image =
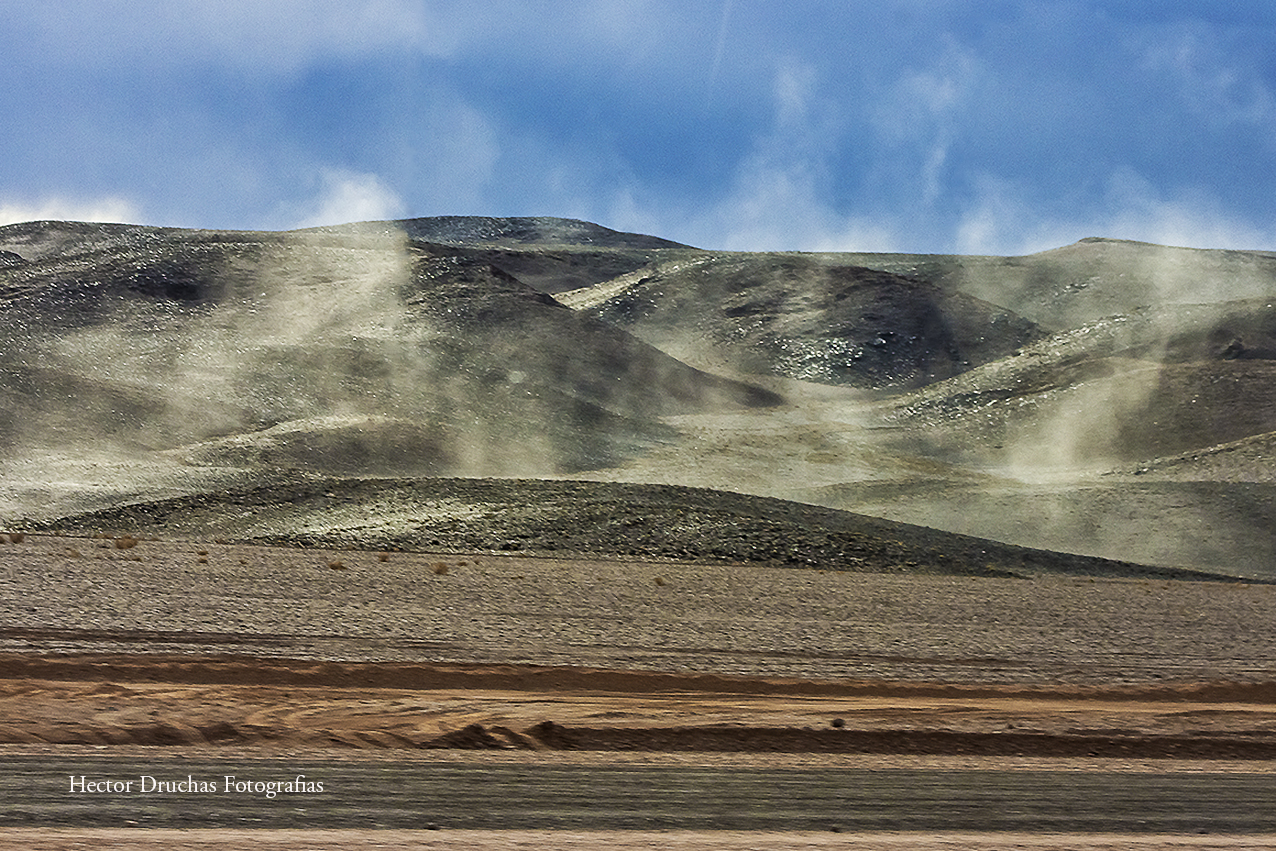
point(1003, 126)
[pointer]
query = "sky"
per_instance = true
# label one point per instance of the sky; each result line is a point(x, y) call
point(942, 126)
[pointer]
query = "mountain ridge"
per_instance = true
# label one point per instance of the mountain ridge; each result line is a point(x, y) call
point(1011, 398)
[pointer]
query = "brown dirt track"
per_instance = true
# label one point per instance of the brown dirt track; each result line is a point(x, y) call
point(175, 701)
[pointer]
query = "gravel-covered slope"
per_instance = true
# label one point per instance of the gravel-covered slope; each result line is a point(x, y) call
point(581, 518)
point(350, 351)
point(809, 318)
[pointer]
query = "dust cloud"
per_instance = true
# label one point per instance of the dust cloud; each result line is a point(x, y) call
point(156, 363)
point(1147, 353)
point(294, 352)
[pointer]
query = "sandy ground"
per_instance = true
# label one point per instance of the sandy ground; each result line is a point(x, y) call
point(225, 649)
point(191, 598)
point(191, 702)
point(193, 644)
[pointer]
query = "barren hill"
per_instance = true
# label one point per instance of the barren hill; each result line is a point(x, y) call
point(1106, 398)
point(324, 352)
point(802, 318)
point(1095, 278)
point(611, 520)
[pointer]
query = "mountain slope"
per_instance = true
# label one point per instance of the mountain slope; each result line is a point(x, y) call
point(322, 352)
point(513, 231)
point(1092, 279)
point(801, 317)
point(594, 518)
point(1107, 398)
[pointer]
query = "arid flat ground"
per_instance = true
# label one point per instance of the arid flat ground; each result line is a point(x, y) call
point(63, 595)
point(224, 649)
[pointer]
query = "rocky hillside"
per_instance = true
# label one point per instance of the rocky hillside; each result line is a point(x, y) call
point(1107, 398)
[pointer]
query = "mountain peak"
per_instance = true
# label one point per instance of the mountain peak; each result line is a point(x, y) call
point(508, 230)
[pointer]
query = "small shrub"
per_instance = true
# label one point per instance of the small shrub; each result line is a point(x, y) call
point(202, 560)
point(660, 580)
point(439, 568)
point(202, 553)
point(72, 552)
point(337, 564)
point(383, 557)
point(17, 537)
point(125, 542)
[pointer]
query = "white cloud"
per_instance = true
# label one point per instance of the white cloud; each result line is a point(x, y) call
point(455, 155)
point(779, 198)
point(782, 194)
point(1193, 218)
point(349, 196)
point(1213, 82)
point(917, 118)
point(1004, 219)
point(257, 38)
point(109, 209)
point(926, 99)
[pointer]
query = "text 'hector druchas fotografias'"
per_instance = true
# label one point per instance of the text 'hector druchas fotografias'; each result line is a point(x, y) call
point(227, 784)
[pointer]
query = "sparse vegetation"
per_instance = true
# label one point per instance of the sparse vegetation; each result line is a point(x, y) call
point(126, 542)
point(683, 524)
point(336, 564)
point(439, 568)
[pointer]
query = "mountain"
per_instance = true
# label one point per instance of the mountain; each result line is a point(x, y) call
point(158, 349)
point(1110, 399)
point(517, 231)
point(1092, 279)
point(805, 318)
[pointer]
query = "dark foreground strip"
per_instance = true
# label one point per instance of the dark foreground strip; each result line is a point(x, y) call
point(548, 736)
point(841, 741)
point(65, 791)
